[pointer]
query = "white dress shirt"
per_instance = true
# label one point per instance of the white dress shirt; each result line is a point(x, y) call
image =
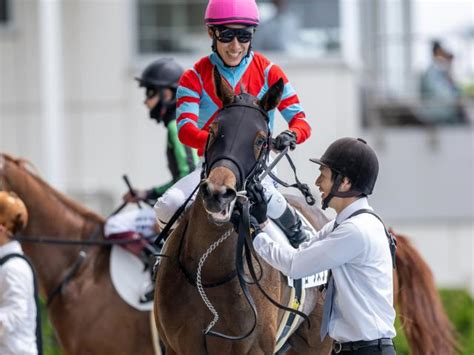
point(358, 254)
point(17, 304)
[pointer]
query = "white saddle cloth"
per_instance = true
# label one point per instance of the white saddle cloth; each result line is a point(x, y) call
point(129, 278)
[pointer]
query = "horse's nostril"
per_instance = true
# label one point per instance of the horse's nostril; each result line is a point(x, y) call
point(205, 189)
point(229, 194)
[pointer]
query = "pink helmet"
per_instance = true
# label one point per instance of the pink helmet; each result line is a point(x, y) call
point(221, 12)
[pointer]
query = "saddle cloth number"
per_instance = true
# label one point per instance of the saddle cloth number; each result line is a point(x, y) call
point(315, 280)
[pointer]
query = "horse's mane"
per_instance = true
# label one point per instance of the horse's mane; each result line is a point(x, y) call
point(66, 201)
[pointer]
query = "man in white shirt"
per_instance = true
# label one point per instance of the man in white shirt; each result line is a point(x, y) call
point(358, 311)
point(18, 309)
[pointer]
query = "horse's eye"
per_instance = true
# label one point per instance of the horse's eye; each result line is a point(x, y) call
point(212, 134)
point(259, 144)
point(260, 141)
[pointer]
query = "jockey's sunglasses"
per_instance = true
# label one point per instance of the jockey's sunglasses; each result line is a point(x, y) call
point(150, 93)
point(227, 35)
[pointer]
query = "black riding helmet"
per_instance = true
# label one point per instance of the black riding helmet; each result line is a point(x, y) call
point(161, 74)
point(353, 158)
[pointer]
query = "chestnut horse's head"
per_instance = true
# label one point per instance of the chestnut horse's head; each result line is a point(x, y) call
point(237, 147)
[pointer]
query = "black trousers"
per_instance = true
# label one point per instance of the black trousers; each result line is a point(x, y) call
point(370, 350)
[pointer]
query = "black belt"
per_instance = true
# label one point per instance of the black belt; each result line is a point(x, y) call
point(356, 345)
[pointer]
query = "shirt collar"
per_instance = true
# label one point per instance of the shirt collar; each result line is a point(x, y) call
point(358, 204)
point(10, 248)
point(216, 60)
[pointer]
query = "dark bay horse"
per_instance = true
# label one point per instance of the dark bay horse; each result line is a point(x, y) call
point(88, 315)
point(182, 311)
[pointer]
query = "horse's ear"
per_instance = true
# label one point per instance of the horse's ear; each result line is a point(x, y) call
point(223, 90)
point(272, 97)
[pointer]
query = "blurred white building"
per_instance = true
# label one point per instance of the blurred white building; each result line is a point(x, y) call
point(68, 103)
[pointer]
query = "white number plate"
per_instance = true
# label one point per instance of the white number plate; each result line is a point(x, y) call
point(313, 280)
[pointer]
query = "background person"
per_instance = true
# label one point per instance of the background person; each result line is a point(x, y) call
point(160, 80)
point(18, 309)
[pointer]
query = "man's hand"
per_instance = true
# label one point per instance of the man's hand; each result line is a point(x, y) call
point(285, 139)
point(254, 225)
point(140, 195)
point(259, 207)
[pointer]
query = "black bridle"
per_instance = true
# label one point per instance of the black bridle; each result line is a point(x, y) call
point(232, 145)
point(232, 148)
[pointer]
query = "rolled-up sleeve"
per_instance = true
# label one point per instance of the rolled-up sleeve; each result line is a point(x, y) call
point(321, 252)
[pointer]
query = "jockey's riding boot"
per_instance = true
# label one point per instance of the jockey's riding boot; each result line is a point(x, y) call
point(291, 224)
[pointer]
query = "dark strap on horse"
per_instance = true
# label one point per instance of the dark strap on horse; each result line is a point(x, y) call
point(191, 276)
point(392, 241)
point(245, 242)
point(165, 232)
point(72, 270)
point(39, 337)
point(249, 252)
point(244, 228)
point(304, 189)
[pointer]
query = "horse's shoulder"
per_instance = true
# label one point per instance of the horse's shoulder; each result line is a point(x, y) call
point(313, 213)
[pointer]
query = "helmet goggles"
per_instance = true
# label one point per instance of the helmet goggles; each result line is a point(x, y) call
point(226, 35)
point(150, 92)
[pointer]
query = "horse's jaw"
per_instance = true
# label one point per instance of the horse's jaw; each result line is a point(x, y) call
point(222, 216)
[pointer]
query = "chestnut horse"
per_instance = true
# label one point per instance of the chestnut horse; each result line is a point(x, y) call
point(184, 320)
point(88, 315)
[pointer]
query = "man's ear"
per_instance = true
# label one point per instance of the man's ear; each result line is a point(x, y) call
point(346, 184)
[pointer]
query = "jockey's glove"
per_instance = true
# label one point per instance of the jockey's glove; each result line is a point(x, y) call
point(285, 139)
point(255, 227)
point(258, 209)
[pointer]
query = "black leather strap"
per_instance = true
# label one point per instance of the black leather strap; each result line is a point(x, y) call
point(356, 345)
point(392, 241)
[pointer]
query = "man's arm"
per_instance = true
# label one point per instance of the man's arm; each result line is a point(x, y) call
point(188, 97)
point(339, 247)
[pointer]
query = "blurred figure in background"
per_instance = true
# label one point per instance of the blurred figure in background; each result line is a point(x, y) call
point(280, 32)
point(20, 328)
point(439, 91)
point(160, 80)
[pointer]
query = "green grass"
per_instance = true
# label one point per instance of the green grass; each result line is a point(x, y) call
point(460, 308)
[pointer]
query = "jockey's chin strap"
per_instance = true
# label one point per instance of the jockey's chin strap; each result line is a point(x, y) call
point(335, 193)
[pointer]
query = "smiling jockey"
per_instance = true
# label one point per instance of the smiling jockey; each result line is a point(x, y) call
point(231, 25)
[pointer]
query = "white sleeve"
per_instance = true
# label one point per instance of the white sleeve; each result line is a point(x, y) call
point(320, 253)
point(17, 288)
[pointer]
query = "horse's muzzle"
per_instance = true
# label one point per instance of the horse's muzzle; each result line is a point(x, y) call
point(218, 201)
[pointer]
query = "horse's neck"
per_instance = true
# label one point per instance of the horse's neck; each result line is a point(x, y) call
point(200, 235)
point(49, 218)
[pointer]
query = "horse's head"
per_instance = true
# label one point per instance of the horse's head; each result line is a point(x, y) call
point(237, 147)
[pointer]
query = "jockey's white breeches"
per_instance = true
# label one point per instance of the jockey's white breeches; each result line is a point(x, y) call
point(172, 199)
